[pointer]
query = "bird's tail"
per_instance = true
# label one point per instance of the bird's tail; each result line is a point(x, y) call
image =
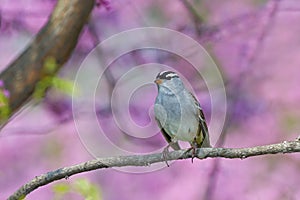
point(206, 142)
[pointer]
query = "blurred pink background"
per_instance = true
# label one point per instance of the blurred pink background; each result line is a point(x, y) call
point(255, 44)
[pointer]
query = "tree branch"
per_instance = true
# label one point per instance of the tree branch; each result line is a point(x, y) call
point(195, 15)
point(146, 160)
point(56, 40)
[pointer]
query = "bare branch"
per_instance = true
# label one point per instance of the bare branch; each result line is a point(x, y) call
point(146, 160)
point(197, 18)
point(193, 12)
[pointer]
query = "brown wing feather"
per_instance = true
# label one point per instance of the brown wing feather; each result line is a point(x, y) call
point(202, 138)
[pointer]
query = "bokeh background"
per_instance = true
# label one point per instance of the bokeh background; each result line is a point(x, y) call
point(255, 44)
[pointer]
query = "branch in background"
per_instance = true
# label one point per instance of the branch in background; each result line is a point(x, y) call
point(146, 160)
point(253, 47)
point(101, 58)
point(56, 40)
point(251, 50)
point(197, 18)
point(227, 28)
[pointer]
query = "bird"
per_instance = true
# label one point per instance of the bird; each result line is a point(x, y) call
point(179, 114)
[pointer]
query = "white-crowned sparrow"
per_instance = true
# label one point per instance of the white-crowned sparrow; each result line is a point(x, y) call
point(178, 113)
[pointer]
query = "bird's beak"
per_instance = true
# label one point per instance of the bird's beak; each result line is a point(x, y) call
point(158, 81)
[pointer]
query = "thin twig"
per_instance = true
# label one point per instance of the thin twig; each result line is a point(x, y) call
point(195, 15)
point(146, 160)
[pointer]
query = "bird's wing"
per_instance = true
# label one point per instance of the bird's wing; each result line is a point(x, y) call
point(202, 137)
point(173, 144)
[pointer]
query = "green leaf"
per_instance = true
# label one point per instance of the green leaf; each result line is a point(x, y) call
point(82, 187)
point(88, 190)
point(63, 85)
point(41, 87)
point(61, 188)
point(50, 66)
point(4, 106)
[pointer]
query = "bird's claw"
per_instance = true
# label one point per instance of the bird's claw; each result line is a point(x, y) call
point(165, 154)
point(193, 149)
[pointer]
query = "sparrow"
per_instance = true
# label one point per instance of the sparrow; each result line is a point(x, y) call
point(179, 114)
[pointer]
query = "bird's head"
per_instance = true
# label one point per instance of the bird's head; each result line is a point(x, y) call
point(169, 81)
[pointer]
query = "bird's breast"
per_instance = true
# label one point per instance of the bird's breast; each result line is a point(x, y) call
point(177, 116)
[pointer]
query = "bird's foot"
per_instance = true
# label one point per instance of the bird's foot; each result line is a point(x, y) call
point(165, 154)
point(193, 149)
